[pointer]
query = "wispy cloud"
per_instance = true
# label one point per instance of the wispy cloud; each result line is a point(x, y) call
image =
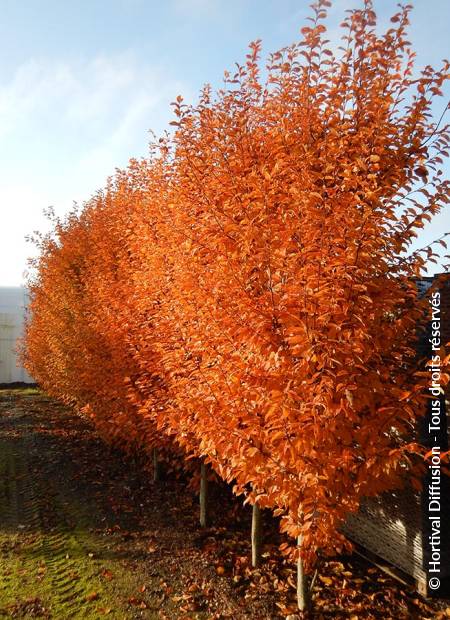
point(64, 127)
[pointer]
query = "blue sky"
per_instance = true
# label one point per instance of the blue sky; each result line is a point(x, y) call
point(82, 82)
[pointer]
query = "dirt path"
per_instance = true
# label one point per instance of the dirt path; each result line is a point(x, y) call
point(53, 562)
point(82, 536)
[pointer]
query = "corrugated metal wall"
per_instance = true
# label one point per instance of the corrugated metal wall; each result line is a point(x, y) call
point(13, 302)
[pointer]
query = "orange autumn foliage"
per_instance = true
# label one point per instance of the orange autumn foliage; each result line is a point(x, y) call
point(247, 293)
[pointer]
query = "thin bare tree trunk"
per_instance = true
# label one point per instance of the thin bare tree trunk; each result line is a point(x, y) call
point(203, 495)
point(256, 536)
point(303, 594)
point(156, 466)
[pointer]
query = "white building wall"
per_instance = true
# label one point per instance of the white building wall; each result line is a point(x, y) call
point(13, 303)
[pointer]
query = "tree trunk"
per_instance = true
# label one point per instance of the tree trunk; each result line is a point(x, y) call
point(303, 594)
point(156, 466)
point(256, 536)
point(203, 495)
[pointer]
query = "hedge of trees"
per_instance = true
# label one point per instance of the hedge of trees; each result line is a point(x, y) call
point(245, 295)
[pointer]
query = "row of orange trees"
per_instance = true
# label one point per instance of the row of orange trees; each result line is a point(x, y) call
point(245, 295)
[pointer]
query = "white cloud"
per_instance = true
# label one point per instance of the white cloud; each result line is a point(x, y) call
point(64, 127)
point(21, 209)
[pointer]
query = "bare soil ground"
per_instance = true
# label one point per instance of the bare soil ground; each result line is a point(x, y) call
point(85, 533)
